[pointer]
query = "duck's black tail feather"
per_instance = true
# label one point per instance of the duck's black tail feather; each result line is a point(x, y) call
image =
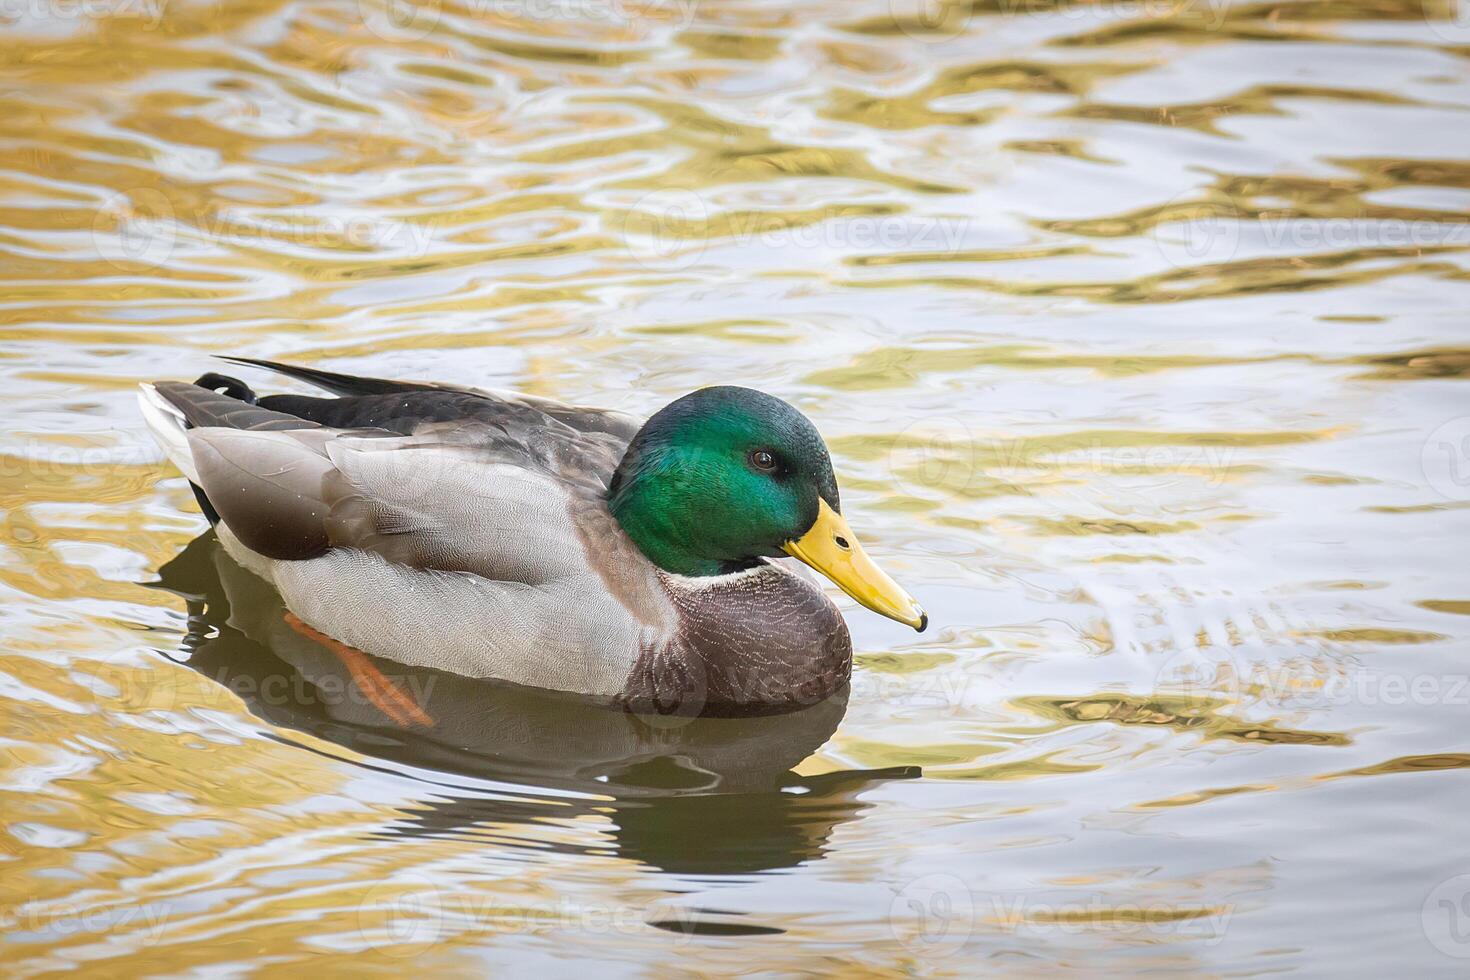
point(226, 385)
point(337, 384)
point(210, 514)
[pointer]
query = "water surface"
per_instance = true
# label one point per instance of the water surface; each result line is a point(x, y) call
point(1138, 334)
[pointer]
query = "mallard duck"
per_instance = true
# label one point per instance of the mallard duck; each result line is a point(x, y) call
point(494, 534)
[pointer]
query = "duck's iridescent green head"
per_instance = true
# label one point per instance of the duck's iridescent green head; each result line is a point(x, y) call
point(726, 476)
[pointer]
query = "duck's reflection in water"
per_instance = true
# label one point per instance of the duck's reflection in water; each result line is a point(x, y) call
point(700, 795)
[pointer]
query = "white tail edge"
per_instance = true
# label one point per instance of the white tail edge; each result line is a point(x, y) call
point(166, 423)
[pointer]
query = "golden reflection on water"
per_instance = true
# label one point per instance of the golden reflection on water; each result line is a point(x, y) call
point(1136, 331)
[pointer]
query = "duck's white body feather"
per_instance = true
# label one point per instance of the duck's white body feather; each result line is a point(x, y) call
point(459, 619)
point(166, 423)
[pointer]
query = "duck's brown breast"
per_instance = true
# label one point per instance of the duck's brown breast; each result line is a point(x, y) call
point(758, 642)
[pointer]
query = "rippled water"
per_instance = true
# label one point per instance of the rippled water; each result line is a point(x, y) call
point(1137, 332)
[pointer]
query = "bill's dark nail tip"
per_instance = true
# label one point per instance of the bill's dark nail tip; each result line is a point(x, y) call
point(923, 623)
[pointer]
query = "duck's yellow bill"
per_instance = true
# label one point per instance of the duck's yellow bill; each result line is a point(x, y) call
point(831, 549)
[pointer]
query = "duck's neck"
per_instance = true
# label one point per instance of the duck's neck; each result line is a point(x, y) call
point(662, 515)
point(671, 502)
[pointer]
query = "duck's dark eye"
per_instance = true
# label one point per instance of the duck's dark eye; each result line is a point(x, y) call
point(763, 460)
